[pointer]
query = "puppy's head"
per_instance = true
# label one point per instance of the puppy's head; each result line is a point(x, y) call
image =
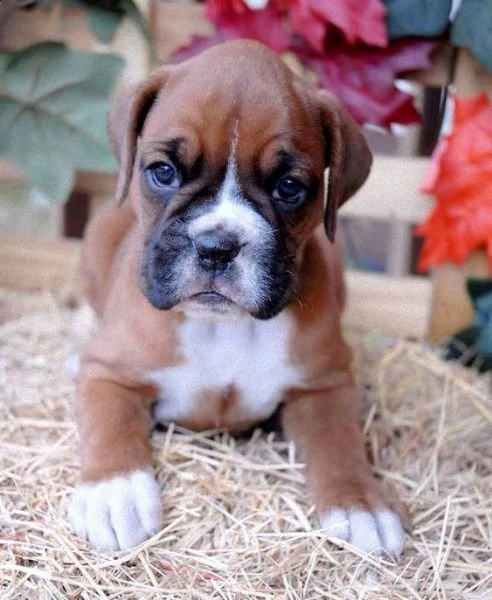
point(223, 158)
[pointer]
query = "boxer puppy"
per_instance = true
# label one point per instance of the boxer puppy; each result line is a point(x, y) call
point(218, 294)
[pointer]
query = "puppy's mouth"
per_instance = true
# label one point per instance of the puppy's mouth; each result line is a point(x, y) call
point(211, 299)
point(209, 303)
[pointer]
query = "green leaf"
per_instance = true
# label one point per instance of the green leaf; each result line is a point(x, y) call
point(104, 23)
point(484, 342)
point(422, 18)
point(53, 106)
point(472, 29)
point(473, 345)
point(483, 318)
point(4, 59)
point(33, 3)
point(105, 16)
point(480, 292)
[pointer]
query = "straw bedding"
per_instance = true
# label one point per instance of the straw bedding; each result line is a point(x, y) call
point(237, 520)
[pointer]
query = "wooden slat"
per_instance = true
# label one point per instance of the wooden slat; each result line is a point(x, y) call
point(392, 194)
point(59, 22)
point(471, 78)
point(392, 191)
point(29, 264)
point(451, 308)
point(94, 184)
point(400, 306)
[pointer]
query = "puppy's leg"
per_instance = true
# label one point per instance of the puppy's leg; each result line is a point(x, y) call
point(325, 426)
point(117, 504)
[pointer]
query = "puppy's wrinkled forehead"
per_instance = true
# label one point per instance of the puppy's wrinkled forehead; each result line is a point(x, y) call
point(219, 100)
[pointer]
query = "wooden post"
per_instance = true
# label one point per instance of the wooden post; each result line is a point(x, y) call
point(451, 309)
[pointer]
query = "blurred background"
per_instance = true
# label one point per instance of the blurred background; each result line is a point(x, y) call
point(399, 66)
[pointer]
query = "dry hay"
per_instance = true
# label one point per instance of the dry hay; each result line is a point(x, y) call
point(237, 520)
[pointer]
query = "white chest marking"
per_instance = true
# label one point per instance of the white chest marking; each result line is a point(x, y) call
point(249, 354)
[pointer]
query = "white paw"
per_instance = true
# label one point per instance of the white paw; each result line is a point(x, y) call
point(375, 532)
point(118, 513)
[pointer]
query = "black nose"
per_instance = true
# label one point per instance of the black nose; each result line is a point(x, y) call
point(216, 250)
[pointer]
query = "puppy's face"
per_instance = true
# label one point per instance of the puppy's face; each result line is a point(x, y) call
point(227, 183)
point(229, 189)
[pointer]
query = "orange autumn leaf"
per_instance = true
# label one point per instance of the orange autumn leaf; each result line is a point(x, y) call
point(461, 182)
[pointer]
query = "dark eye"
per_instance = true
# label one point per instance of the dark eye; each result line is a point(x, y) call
point(290, 191)
point(162, 175)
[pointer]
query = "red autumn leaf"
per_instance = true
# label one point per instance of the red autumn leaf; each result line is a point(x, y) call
point(358, 20)
point(307, 23)
point(461, 181)
point(363, 78)
point(235, 20)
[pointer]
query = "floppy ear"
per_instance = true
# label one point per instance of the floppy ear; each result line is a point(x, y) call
point(347, 155)
point(125, 121)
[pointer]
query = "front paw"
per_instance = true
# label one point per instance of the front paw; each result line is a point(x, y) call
point(118, 513)
point(374, 532)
